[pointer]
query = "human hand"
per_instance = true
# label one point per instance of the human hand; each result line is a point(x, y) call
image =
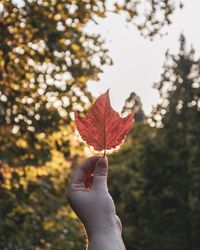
point(89, 198)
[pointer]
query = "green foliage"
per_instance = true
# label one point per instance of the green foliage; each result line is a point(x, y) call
point(176, 196)
point(126, 181)
point(157, 189)
point(33, 221)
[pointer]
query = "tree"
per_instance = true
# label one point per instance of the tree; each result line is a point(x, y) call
point(46, 59)
point(158, 169)
point(34, 212)
point(171, 200)
point(125, 177)
point(126, 182)
point(134, 104)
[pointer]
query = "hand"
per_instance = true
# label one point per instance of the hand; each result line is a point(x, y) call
point(89, 198)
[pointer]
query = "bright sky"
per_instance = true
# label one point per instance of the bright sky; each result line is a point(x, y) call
point(138, 61)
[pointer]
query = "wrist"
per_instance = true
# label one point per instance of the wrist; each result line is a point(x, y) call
point(106, 240)
point(105, 235)
point(102, 225)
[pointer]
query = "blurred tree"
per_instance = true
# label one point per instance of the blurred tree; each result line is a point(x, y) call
point(126, 182)
point(46, 59)
point(150, 16)
point(33, 210)
point(126, 165)
point(133, 104)
point(171, 200)
point(157, 189)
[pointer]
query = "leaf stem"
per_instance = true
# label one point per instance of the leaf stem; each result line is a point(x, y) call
point(104, 153)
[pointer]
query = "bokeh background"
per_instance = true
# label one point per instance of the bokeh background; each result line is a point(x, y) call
point(56, 57)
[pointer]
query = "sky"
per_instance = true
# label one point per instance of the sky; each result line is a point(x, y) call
point(138, 61)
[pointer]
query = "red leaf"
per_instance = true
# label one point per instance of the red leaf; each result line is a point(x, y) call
point(102, 127)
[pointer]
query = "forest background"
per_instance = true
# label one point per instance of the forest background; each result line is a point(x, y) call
point(46, 61)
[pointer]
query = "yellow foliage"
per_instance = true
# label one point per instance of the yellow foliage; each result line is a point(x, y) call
point(57, 17)
point(83, 79)
point(22, 143)
point(60, 7)
point(75, 47)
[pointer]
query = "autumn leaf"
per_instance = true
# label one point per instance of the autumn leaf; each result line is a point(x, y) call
point(102, 127)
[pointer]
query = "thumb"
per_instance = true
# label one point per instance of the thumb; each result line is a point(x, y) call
point(100, 173)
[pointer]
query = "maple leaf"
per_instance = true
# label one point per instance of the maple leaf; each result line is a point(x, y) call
point(102, 127)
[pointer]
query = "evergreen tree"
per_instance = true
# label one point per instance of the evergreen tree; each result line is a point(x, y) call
point(126, 182)
point(133, 104)
point(157, 189)
point(171, 198)
point(126, 165)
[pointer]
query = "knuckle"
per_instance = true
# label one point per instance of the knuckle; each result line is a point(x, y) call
point(118, 222)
